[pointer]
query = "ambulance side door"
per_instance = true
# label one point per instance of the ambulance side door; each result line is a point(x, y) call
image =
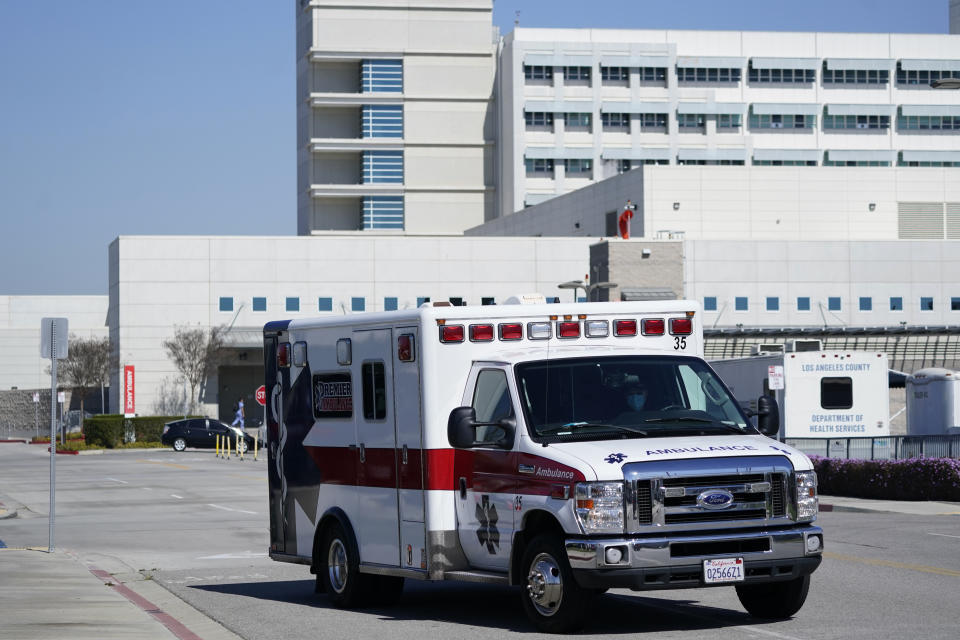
point(488, 490)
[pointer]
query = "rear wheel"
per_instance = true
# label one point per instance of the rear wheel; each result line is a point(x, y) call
point(552, 599)
point(179, 444)
point(242, 446)
point(339, 570)
point(774, 600)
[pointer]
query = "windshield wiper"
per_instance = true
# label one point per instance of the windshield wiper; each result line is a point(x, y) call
point(573, 425)
point(713, 423)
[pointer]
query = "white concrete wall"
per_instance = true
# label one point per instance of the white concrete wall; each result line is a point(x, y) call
point(819, 270)
point(20, 363)
point(158, 283)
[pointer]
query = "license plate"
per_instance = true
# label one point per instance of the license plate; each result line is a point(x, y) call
point(723, 570)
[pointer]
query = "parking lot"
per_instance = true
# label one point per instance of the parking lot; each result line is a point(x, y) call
point(198, 526)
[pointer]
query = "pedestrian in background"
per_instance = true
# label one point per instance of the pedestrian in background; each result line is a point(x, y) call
point(239, 417)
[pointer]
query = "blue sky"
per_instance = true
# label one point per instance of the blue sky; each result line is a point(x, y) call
point(122, 117)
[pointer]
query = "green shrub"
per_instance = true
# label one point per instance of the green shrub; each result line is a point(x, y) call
point(104, 430)
point(913, 479)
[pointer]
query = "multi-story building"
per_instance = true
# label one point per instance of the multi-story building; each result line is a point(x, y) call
point(578, 105)
point(395, 119)
point(954, 16)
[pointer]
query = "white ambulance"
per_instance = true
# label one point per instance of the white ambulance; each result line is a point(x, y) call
point(562, 448)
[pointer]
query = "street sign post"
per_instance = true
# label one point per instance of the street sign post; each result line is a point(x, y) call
point(53, 345)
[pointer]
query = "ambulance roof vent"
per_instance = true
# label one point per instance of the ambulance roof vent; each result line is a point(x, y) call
point(803, 345)
point(765, 349)
point(526, 298)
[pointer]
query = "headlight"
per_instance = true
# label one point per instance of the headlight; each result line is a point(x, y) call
point(600, 506)
point(806, 495)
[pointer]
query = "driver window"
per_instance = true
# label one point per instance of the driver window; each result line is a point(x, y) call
point(491, 401)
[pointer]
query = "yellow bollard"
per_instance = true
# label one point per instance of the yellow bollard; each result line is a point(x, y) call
point(256, 440)
point(226, 446)
point(218, 445)
point(239, 448)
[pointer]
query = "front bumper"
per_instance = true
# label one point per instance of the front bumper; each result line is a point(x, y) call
point(676, 562)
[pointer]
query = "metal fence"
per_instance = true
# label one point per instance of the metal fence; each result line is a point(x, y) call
point(889, 448)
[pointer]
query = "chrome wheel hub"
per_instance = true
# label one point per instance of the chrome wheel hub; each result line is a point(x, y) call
point(545, 584)
point(337, 566)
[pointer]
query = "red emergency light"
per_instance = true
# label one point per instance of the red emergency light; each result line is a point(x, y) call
point(651, 326)
point(511, 331)
point(481, 332)
point(681, 326)
point(568, 330)
point(624, 327)
point(451, 333)
point(283, 354)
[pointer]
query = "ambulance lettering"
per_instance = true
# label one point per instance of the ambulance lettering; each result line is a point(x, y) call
point(729, 447)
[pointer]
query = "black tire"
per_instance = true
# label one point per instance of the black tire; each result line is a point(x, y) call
point(242, 446)
point(339, 569)
point(179, 444)
point(551, 597)
point(774, 600)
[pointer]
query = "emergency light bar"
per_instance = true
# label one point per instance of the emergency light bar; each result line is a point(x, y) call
point(651, 326)
point(624, 327)
point(681, 326)
point(451, 333)
point(481, 332)
point(567, 327)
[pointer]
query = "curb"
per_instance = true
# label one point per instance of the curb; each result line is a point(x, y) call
point(14, 441)
point(6, 514)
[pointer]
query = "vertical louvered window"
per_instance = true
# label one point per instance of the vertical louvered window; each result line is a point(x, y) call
point(382, 167)
point(383, 212)
point(382, 75)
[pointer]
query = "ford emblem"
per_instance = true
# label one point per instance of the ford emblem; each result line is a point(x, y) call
point(715, 499)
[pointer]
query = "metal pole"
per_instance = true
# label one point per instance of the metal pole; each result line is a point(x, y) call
point(53, 424)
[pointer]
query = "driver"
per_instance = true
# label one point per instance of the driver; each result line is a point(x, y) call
point(636, 395)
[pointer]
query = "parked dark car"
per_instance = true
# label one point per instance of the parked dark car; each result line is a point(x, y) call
point(202, 433)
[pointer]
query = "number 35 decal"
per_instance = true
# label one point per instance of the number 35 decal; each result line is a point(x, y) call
point(680, 342)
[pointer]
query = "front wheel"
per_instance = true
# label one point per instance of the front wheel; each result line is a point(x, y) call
point(242, 446)
point(179, 444)
point(552, 599)
point(776, 600)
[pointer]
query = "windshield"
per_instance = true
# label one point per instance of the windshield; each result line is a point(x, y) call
point(625, 397)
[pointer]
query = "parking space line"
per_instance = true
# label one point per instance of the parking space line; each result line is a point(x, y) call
point(117, 480)
point(945, 535)
point(893, 565)
point(217, 506)
point(165, 464)
point(173, 495)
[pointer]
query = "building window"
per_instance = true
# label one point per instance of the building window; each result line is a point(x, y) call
point(710, 303)
point(577, 121)
point(422, 299)
point(728, 121)
point(833, 304)
point(692, 121)
point(653, 74)
point(382, 121)
point(866, 303)
point(576, 75)
point(921, 77)
point(701, 74)
point(933, 163)
point(383, 212)
point(487, 301)
point(539, 167)
point(381, 75)
point(293, 304)
point(788, 76)
point(358, 304)
point(803, 303)
point(226, 303)
point(773, 303)
point(457, 302)
point(896, 303)
point(740, 303)
point(614, 75)
point(324, 304)
point(615, 121)
point(854, 163)
point(928, 123)
point(781, 121)
point(653, 121)
point(537, 72)
point(855, 76)
point(785, 163)
point(623, 166)
point(856, 122)
point(954, 304)
point(716, 163)
point(579, 168)
point(259, 303)
point(382, 167)
point(389, 304)
point(926, 304)
point(538, 121)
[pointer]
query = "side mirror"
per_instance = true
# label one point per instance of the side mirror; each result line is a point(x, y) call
point(768, 416)
point(461, 427)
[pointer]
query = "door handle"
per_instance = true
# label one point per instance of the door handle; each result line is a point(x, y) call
point(363, 453)
point(404, 454)
point(463, 487)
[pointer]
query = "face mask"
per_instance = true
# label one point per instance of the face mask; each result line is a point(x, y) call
point(635, 401)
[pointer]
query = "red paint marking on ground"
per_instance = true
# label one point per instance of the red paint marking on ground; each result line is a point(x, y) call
point(826, 507)
point(173, 625)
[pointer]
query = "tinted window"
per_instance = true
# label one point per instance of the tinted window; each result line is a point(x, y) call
point(836, 393)
point(491, 401)
point(374, 391)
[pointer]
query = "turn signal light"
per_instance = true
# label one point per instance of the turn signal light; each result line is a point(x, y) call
point(481, 332)
point(652, 326)
point(681, 326)
point(624, 327)
point(511, 331)
point(451, 333)
point(568, 330)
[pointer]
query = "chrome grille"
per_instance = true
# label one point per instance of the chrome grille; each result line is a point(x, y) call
point(664, 494)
